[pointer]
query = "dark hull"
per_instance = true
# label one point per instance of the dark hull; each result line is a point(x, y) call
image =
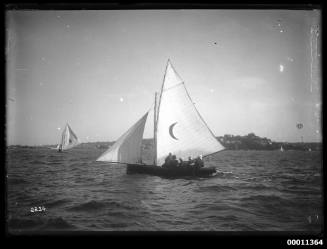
point(164, 172)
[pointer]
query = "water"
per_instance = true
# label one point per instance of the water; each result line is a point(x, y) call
point(253, 191)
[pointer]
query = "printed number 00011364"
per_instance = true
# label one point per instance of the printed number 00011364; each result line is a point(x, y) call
point(305, 242)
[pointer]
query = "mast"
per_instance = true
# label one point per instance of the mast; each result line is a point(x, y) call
point(163, 82)
point(156, 115)
point(155, 129)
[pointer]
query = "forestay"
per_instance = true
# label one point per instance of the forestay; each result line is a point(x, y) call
point(180, 128)
point(127, 149)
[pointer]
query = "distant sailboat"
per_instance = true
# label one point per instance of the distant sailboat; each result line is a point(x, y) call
point(281, 149)
point(178, 129)
point(68, 139)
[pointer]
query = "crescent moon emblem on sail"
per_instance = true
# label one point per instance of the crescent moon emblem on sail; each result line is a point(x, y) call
point(171, 131)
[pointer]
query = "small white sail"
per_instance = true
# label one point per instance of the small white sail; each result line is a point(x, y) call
point(281, 148)
point(68, 139)
point(127, 149)
point(180, 128)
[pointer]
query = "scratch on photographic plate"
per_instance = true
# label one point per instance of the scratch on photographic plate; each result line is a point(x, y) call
point(314, 34)
point(315, 67)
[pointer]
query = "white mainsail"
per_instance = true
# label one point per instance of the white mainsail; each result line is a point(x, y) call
point(127, 149)
point(180, 128)
point(68, 139)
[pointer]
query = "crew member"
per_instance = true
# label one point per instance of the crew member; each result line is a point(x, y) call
point(198, 162)
point(190, 161)
point(167, 161)
point(174, 162)
point(181, 162)
point(168, 158)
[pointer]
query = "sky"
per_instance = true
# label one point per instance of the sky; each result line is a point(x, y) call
point(246, 71)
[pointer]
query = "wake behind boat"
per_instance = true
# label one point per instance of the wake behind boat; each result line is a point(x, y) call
point(179, 129)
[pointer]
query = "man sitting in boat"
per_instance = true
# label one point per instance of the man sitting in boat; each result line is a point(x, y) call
point(170, 162)
point(190, 161)
point(167, 161)
point(174, 162)
point(168, 158)
point(199, 162)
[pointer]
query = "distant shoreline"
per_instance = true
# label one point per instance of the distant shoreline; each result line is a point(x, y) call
point(230, 142)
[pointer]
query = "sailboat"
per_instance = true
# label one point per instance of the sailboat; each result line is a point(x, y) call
point(281, 148)
point(68, 139)
point(178, 129)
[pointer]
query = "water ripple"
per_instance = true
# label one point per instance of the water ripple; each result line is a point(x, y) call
point(252, 191)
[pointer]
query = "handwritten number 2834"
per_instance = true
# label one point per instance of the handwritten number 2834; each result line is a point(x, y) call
point(37, 209)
